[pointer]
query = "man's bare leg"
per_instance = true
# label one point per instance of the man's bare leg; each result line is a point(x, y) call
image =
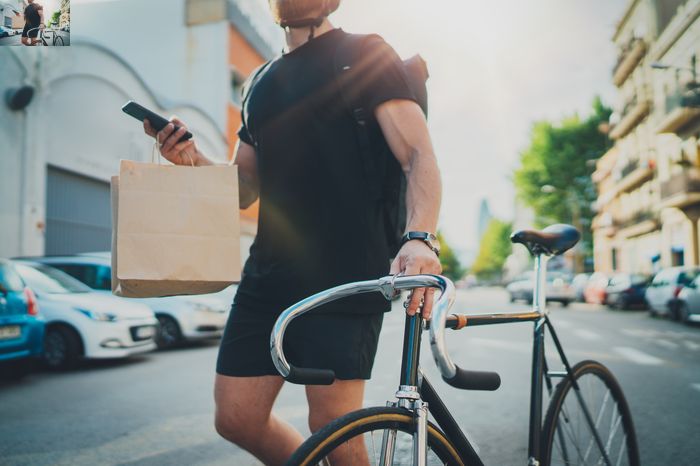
point(244, 417)
point(329, 402)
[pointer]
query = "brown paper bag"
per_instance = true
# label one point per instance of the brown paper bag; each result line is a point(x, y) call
point(176, 230)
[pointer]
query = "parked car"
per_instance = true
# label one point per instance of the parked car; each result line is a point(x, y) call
point(181, 318)
point(81, 323)
point(626, 290)
point(558, 288)
point(662, 294)
point(688, 303)
point(21, 325)
point(595, 291)
point(5, 32)
point(579, 285)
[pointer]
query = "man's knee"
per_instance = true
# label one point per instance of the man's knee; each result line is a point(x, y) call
point(240, 426)
point(243, 407)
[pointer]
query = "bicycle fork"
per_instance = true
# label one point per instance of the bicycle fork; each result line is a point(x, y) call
point(409, 397)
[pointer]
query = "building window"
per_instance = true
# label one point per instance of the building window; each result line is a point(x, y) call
point(613, 253)
point(677, 256)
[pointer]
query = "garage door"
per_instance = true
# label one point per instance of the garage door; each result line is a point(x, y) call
point(78, 217)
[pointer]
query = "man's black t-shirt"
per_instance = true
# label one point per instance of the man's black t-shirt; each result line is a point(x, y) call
point(31, 14)
point(316, 228)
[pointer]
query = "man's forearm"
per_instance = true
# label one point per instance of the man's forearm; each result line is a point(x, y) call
point(423, 193)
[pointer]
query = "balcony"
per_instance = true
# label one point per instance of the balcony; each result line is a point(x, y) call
point(634, 173)
point(681, 190)
point(633, 112)
point(628, 60)
point(682, 107)
point(639, 223)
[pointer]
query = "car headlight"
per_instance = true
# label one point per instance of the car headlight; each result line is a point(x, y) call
point(101, 316)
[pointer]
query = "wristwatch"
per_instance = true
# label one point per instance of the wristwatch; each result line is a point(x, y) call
point(428, 238)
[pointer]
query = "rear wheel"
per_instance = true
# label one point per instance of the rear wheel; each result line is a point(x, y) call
point(339, 440)
point(683, 312)
point(567, 437)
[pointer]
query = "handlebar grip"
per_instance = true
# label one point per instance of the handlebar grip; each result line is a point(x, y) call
point(474, 380)
point(305, 376)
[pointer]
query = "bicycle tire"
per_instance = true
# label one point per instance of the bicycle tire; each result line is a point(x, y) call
point(58, 41)
point(317, 447)
point(589, 375)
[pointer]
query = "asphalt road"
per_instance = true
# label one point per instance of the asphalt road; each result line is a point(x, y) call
point(17, 39)
point(157, 409)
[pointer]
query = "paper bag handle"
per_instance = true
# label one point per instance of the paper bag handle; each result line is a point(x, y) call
point(155, 152)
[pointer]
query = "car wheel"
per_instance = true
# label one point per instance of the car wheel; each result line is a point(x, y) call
point(169, 334)
point(622, 303)
point(565, 303)
point(61, 348)
point(683, 313)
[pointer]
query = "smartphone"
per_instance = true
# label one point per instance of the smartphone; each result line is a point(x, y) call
point(157, 122)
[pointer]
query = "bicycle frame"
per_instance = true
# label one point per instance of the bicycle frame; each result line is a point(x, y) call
point(415, 391)
point(539, 371)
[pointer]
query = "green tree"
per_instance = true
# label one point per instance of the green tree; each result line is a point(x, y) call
point(494, 248)
point(451, 267)
point(55, 17)
point(554, 177)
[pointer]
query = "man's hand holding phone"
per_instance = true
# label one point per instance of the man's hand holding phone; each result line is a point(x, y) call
point(179, 153)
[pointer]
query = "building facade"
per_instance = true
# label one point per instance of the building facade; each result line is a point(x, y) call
point(646, 210)
point(64, 19)
point(12, 14)
point(60, 149)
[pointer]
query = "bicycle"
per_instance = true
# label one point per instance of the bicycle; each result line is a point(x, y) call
point(588, 420)
point(55, 40)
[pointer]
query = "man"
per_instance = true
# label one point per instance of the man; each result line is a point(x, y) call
point(33, 19)
point(298, 154)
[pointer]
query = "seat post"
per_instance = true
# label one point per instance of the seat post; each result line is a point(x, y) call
point(539, 296)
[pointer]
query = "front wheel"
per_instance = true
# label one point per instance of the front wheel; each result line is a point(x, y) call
point(58, 40)
point(358, 438)
point(567, 437)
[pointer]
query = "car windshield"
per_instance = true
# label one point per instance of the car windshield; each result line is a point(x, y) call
point(45, 279)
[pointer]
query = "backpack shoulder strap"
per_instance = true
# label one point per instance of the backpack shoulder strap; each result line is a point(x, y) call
point(347, 56)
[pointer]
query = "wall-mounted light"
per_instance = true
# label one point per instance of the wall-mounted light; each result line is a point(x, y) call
point(18, 98)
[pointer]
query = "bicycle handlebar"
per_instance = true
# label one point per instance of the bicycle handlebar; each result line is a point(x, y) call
point(388, 286)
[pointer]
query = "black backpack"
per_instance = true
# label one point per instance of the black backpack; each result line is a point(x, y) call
point(386, 181)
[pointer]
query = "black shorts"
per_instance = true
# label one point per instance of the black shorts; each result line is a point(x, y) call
point(346, 343)
point(31, 34)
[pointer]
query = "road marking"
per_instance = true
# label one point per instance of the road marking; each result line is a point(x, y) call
point(696, 386)
point(666, 343)
point(638, 357)
point(691, 345)
point(586, 334)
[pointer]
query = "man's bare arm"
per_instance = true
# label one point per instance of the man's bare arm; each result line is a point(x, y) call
point(405, 129)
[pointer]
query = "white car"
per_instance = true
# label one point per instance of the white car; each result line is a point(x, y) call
point(82, 323)
point(662, 293)
point(181, 318)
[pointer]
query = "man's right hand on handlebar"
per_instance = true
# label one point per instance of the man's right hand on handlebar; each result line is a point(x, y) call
point(179, 153)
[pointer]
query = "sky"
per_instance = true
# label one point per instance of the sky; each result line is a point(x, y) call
point(496, 67)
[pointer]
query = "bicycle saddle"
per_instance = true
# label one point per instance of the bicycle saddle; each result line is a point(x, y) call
point(552, 241)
